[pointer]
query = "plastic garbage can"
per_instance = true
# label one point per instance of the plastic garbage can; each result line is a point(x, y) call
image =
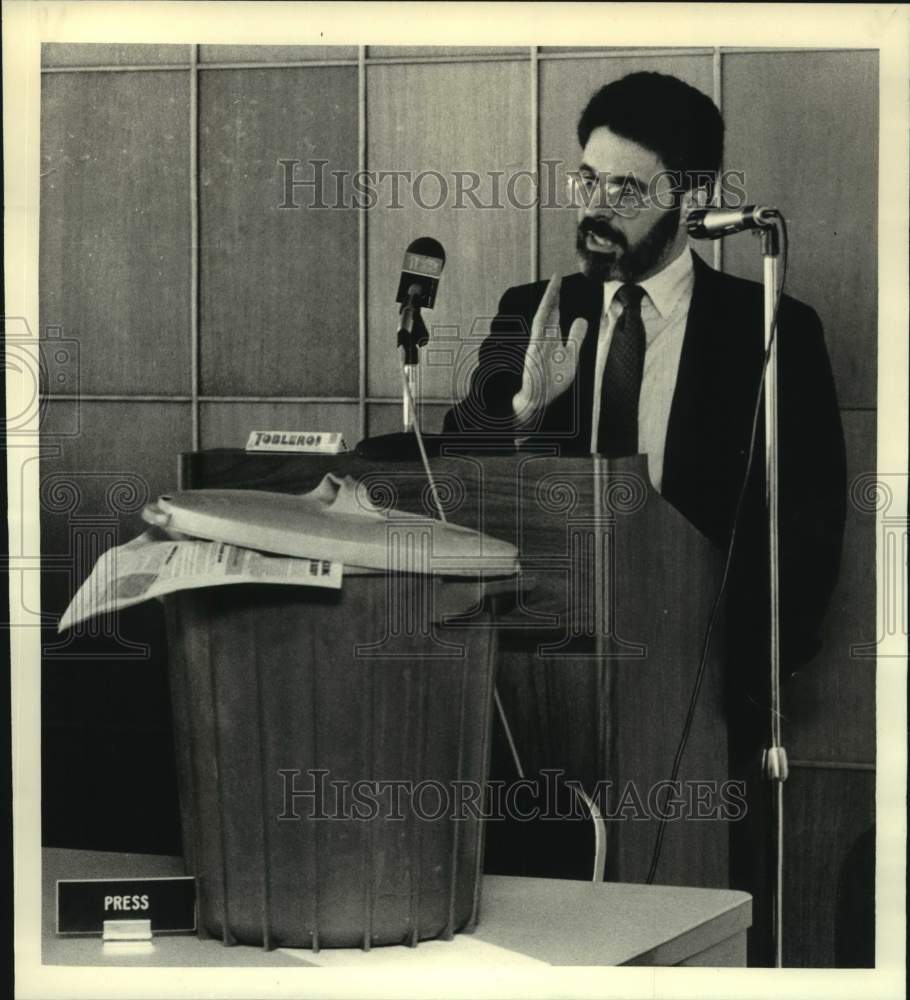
point(332, 750)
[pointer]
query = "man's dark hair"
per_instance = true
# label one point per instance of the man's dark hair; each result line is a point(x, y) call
point(679, 123)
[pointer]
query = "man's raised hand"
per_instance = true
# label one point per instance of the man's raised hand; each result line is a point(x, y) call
point(549, 364)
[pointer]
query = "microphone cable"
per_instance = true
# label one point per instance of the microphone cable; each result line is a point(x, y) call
point(417, 432)
point(715, 608)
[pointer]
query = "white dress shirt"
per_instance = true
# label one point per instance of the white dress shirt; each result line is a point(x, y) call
point(664, 311)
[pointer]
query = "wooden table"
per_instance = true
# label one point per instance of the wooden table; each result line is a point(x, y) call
point(523, 921)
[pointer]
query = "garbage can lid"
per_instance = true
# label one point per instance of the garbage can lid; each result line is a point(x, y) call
point(336, 521)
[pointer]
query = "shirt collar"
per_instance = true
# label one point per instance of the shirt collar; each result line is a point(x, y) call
point(664, 289)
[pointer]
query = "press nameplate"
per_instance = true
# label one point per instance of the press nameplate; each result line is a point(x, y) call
point(85, 906)
point(127, 930)
point(299, 442)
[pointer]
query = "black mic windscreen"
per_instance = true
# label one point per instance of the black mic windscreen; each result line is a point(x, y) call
point(424, 260)
point(426, 246)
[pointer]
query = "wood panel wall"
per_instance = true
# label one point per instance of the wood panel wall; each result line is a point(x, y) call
point(200, 309)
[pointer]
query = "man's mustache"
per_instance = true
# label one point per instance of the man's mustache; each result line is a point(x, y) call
point(602, 228)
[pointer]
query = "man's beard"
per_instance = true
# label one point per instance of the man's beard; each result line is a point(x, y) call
point(624, 264)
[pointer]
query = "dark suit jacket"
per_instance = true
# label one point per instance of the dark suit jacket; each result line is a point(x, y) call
point(708, 440)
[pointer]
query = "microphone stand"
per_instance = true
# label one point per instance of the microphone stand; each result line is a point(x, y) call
point(402, 445)
point(704, 223)
point(412, 335)
point(774, 758)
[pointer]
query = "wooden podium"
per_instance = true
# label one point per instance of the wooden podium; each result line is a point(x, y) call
point(599, 652)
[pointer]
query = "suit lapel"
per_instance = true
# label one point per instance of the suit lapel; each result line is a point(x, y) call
point(696, 367)
point(582, 298)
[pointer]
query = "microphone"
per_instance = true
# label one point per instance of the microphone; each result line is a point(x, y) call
point(713, 223)
point(424, 260)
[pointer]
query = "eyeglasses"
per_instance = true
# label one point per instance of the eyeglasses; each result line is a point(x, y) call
point(624, 196)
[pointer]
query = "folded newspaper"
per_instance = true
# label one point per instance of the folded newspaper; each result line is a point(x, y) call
point(155, 564)
point(209, 538)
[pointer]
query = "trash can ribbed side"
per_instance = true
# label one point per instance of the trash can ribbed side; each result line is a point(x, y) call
point(324, 747)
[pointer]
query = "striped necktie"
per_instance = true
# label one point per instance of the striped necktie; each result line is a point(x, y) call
point(618, 428)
